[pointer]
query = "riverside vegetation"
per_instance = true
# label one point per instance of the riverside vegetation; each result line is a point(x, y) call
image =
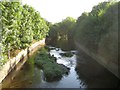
point(20, 25)
point(96, 31)
point(47, 63)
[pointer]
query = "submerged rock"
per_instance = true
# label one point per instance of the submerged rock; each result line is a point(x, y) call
point(67, 54)
point(57, 49)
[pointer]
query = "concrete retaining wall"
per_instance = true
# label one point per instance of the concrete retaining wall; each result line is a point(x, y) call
point(112, 67)
point(14, 61)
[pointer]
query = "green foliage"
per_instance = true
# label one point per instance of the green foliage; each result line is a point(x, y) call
point(51, 69)
point(9, 19)
point(61, 30)
point(3, 57)
point(96, 31)
point(92, 27)
point(19, 25)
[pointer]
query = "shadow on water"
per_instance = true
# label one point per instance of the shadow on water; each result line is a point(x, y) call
point(93, 74)
point(63, 44)
point(84, 72)
point(24, 76)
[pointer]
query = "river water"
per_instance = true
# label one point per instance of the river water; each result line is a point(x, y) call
point(84, 73)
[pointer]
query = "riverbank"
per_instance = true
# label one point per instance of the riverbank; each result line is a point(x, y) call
point(10, 64)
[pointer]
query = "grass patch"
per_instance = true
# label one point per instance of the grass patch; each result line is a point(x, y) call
point(51, 69)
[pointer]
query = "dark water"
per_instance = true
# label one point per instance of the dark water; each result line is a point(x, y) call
point(84, 73)
point(94, 74)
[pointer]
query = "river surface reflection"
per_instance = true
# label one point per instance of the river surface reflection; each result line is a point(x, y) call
point(84, 73)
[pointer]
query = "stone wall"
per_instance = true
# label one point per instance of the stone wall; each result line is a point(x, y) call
point(14, 61)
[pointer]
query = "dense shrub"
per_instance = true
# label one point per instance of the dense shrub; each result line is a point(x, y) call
point(19, 26)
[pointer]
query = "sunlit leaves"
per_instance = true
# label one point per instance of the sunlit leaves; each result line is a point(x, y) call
point(20, 24)
point(63, 30)
point(92, 27)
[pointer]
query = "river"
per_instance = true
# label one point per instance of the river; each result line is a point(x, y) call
point(84, 73)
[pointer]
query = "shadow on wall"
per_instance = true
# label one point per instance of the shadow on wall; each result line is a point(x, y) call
point(107, 52)
point(94, 74)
